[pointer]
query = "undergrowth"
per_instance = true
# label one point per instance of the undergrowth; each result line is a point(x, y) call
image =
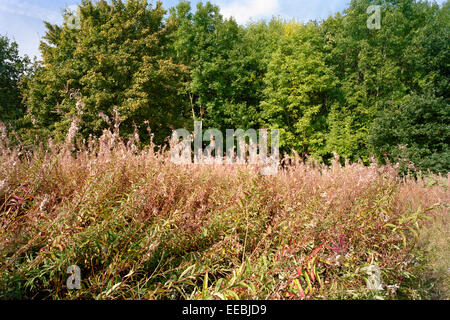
point(141, 227)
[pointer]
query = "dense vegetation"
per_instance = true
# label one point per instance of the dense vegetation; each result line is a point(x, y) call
point(140, 227)
point(12, 69)
point(77, 190)
point(329, 86)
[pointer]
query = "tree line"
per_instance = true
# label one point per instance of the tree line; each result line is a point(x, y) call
point(329, 86)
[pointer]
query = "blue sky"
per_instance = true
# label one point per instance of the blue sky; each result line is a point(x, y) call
point(21, 20)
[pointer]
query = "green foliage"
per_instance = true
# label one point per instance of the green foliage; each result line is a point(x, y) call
point(374, 67)
point(225, 79)
point(298, 86)
point(323, 84)
point(116, 60)
point(431, 53)
point(417, 131)
point(12, 68)
point(141, 227)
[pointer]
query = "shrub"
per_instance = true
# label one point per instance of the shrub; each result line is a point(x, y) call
point(141, 227)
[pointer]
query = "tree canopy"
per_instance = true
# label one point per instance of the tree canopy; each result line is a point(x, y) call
point(329, 86)
point(12, 69)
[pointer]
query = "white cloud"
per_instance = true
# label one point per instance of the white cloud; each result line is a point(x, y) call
point(22, 20)
point(30, 10)
point(245, 10)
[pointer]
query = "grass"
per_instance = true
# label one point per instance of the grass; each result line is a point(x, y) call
point(141, 227)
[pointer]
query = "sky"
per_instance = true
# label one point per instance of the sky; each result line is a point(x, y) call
point(22, 20)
